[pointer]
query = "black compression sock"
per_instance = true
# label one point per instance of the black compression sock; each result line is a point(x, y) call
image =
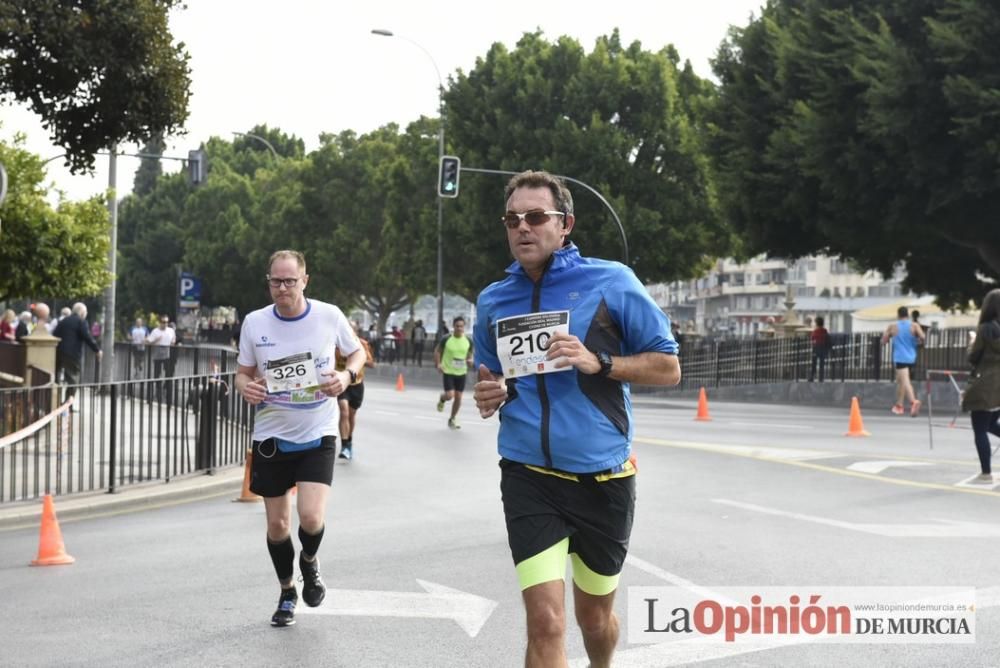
point(311, 541)
point(283, 558)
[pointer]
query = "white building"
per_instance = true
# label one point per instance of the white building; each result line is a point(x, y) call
point(742, 299)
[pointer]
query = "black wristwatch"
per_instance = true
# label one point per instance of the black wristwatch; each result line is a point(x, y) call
point(606, 364)
point(354, 376)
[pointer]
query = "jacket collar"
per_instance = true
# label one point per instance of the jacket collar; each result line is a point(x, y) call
point(567, 256)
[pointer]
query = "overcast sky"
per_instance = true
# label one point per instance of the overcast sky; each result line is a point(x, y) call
point(312, 66)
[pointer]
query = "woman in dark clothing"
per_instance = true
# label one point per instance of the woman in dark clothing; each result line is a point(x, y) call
point(982, 397)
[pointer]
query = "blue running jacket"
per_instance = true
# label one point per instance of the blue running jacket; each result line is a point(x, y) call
point(569, 420)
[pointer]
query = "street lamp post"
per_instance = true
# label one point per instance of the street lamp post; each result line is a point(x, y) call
point(260, 139)
point(440, 247)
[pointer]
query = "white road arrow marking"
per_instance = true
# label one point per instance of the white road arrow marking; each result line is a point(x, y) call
point(439, 602)
point(878, 467)
point(943, 528)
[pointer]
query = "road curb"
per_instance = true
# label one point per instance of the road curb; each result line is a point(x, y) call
point(133, 498)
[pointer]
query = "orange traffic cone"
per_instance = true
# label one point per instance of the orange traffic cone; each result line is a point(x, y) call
point(702, 415)
point(856, 426)
point(246, 495)
point(399, 383)
point(51, 551)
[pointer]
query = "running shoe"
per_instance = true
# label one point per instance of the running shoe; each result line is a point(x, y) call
point(345, 453)
point(440, 405)
point(897, 409)
point(986, 478)
point(313, 589)
point(915, 408)
point(453, 424)
point(285, 614)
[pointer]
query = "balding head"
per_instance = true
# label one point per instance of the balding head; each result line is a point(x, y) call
point(42, 312)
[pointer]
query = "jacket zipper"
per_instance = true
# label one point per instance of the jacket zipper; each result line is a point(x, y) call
point(543, 394)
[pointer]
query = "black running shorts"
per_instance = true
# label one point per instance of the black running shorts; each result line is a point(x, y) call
point(354, 395)
point(456, 383)
point(275, 472)
point(541, 509)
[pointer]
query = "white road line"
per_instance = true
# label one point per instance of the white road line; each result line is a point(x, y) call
point(944, 528)
point(656, 571)
point(772, 425)
point(879, 466)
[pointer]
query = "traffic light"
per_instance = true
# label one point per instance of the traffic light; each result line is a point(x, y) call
point(197, 167)
point(451, 167)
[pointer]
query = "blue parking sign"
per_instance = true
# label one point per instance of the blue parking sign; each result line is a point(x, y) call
point(189, 290)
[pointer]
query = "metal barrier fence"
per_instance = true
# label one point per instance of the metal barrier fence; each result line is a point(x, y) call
point(123, 433)
point(854, 357)
point(134, 362)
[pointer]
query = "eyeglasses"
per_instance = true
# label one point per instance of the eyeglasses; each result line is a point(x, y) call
point(534, 218)
point(278, 282)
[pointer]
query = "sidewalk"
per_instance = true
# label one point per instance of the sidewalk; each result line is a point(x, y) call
point(155, 494)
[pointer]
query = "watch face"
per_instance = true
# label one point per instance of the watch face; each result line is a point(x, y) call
point(605, 360)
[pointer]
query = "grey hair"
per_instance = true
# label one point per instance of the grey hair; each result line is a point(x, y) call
point(539, 179)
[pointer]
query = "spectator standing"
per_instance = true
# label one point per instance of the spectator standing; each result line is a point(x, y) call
point(821, 345)
point(72, 332)
point(982, 396)
point(8, 326)
point(407, 350)
point(375, 341)
point(23, 326)
point(161, 339)
point(137, 337)
point(400, 344)
point(419, 338)
point(42, 322)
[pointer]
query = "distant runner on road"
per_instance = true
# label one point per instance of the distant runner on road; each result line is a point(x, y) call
point(453, 358)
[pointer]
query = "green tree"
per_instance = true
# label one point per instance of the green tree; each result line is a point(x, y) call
point(867, 130)
point(369, 219)
point(98, 72)
point(151, 244)
point(150, 169)
point(45, 251)
point(622, 119)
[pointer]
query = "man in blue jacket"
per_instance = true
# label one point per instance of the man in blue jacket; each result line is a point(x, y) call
point(557, 343)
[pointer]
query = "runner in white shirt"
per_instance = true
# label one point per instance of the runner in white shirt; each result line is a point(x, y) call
point(286, 369)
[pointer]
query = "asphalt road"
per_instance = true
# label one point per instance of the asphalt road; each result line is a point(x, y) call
point(416, 557)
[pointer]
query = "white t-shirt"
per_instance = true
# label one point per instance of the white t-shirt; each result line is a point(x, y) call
point(305, 414)
point(162, 338)
point(139, 335)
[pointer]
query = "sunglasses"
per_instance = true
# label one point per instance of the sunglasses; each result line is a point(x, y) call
point(278, 282)
point(534, 218)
